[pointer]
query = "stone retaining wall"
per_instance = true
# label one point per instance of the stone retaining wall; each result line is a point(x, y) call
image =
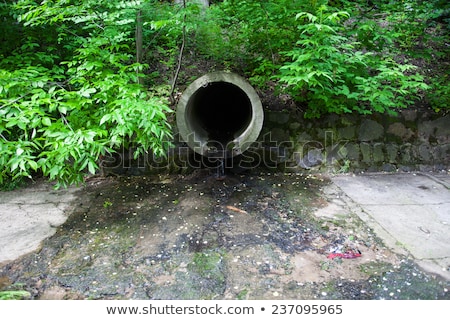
point(411, 141)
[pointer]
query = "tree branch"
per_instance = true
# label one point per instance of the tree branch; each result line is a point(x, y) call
point(139, 49)
point(180, 57)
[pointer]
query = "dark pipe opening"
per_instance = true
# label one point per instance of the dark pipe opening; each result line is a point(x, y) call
point(222, 109)
point(219, 115)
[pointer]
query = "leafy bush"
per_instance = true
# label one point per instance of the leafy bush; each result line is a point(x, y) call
point(60, 112)
point(440, 93)
point(327, 73)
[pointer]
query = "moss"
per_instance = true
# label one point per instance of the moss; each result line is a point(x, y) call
point(205, 279)
point(207, 265)
point(242, 295)
point(374, 268)
point(14, 295)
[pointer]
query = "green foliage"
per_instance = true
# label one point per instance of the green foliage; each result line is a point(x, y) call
point(331, 60)
point(327, 73)
point(62, 109)
point(250, 34)
point(439, 95)
point(415, 31)
point(244, 35)
point(14, 295)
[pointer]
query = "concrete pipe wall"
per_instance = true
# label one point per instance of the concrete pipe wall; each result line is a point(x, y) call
point(219, 115)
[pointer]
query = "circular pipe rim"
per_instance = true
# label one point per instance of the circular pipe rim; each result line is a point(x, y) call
point(196, 140)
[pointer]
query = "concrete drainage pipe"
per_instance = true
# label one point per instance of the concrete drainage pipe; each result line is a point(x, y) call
point(219, 115)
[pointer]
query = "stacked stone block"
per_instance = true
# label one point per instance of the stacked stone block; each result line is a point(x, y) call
point(410, 141)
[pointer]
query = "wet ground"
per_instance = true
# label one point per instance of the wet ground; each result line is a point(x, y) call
point(259, 235)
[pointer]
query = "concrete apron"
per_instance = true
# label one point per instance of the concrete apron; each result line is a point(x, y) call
point(30, 215)
point(410, 212)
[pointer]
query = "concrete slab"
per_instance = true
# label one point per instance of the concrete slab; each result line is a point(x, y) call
point(410, 212)
point(30, 215)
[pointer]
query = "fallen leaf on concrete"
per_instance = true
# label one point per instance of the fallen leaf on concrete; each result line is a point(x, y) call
point(233, 208)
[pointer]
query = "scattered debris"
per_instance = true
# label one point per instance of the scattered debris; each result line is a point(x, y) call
point(233, 208)
point(350, 254)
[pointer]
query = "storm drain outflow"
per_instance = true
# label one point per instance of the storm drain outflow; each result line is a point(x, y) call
point(219, 113)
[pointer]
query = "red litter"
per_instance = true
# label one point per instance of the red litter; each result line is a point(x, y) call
point(347, 255)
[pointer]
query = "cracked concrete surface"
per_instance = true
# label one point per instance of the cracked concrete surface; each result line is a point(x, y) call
point(30, 215)
point(410, 212)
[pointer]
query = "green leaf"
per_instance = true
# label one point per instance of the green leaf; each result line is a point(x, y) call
point(33, 164)
point(92, 166)
point(46, 121)
point(86, 92)
point(105, 118)
point(62, 109)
